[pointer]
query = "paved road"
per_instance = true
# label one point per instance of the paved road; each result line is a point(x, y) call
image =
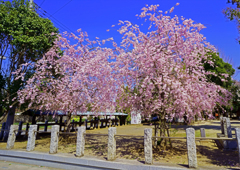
point(6, 165)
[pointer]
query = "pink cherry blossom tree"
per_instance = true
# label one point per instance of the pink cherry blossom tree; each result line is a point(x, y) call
point(164, 69)
point(71, 76)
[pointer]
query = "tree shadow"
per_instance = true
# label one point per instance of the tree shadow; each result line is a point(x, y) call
point(216, 156)
point(130, 148)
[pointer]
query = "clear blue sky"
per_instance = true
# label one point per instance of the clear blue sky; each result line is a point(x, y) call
point(96, 16)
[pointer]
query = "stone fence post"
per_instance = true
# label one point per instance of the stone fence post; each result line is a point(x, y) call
point(237, 132)
point(31, 137)
point(227, 127)
point(112, 131)
point(203, 134)
point(54, 139)
point(191, 148)
point(80, 141)
point(148, 145)
point(12, 136)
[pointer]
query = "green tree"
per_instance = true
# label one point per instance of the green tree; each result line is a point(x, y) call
point(24, 38)
point(223, 70)
point(233, 13)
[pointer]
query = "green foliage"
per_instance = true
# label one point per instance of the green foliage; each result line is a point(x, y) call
point(29, 35)
point(233, 13)
point(24, 38)
point(76, 119)
point(219, 67)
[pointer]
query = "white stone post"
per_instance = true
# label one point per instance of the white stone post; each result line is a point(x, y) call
point(112, 131)
point(31, 137)
point(54, 139)
point(12, 136)
point(191, 148)
point(148, 145)
point(224, 126)
point(80, 141)
point(237, 132)
point(229, 129)
point(203, 134)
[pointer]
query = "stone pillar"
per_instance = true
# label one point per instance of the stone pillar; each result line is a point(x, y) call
point(229, 129)
point(46, 126)
point(80, 141)
point(31, 137)
point(54, 139)
point(203, 134)
point(112, 131)
point(2, 131)
point(191, 148)
point(224, 126)
point(148, 146)
point(237, 132)
point(12, 136)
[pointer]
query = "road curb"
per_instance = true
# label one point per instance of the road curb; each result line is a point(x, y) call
point(65, 162)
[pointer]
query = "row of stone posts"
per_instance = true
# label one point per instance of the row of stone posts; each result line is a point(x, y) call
point(80, 145)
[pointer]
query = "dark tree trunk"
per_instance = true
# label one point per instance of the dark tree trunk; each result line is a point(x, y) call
point(10, 120)
point(68, 123)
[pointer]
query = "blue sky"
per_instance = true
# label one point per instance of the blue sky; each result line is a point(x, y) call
point(96, 16)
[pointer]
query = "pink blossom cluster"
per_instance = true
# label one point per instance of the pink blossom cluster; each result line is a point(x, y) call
point(164, 65)
point(82, 75)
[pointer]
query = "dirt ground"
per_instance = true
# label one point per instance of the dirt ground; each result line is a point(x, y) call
point(132, 147)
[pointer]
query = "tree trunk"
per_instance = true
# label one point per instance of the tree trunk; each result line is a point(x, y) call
point(162, 125)
point(68, 123)
point(10, 120)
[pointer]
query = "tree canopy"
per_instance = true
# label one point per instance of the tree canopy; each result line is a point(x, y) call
point(164, 71)
point(223, 71)
point(24, 38)
point(233, 13)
